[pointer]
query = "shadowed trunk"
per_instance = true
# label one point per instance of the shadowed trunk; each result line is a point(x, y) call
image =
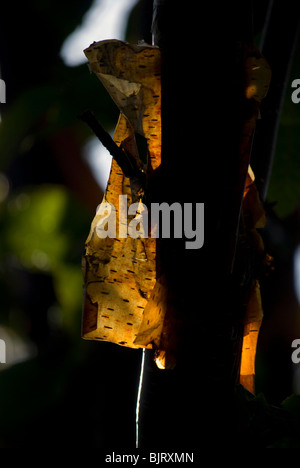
point(202, 116)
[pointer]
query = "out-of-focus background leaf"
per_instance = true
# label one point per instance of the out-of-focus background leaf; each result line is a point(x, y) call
point(277, 377)
point(284, 188)
point(56, 388)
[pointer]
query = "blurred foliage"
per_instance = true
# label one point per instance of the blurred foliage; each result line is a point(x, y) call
point(284, 187)
point(48, 197)
point(43, 235)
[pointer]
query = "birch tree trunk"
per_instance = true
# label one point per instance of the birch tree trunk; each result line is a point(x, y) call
point(202, 117)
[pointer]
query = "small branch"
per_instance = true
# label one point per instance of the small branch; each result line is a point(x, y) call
point(126, 162)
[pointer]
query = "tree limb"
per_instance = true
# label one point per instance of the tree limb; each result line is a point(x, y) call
point(126, 162)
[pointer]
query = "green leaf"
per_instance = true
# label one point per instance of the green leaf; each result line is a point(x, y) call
point(32, 227)
point(20, 117)
point(284, 188)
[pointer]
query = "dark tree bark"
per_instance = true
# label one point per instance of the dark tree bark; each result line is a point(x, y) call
point(193, 405)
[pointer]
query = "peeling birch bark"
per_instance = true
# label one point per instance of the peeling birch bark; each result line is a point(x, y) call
point(125, 300)
point(126, 297)
point(256, 85)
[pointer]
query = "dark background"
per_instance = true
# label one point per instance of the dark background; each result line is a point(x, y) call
point(70, 391)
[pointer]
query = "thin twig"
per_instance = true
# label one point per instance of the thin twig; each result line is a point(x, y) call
point(126, 162)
